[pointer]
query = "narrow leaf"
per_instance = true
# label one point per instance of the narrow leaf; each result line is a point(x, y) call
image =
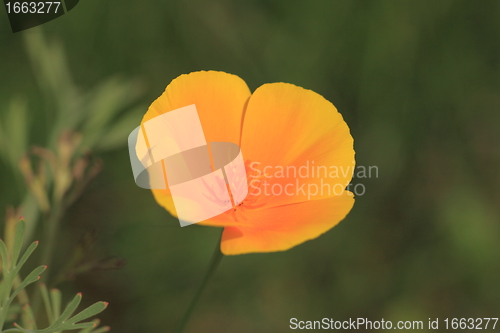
point(22, 329)
point(56, 296)
point(101, 329)
point(117, 133)
point(18, 241)
point(47, 303)
point(5, 258)
point(28, 317)
point(89, 312)
point(70, 308)
point(25, 257)
point(91, 329)
point(32, 277)
point(79, 326)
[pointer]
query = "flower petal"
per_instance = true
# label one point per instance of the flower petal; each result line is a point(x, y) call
point(281, 228)
point(290, 127)
point(220, 100)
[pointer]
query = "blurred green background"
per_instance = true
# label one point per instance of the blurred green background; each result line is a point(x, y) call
point(418, 82)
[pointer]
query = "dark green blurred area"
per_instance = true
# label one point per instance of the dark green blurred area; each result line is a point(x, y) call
point(418, 82)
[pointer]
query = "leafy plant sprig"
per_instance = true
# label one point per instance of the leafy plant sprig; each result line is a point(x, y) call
point(10, 288)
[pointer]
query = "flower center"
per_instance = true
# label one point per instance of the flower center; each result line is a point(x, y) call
point(254, 199)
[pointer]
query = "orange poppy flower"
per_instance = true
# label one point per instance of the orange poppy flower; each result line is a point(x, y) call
point(298, 151)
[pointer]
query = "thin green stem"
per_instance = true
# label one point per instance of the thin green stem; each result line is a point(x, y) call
point(214, 263)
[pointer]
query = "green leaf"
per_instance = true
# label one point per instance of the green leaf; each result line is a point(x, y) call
point(47, 303)
point(79, 326)
point(32, 277)
point(5, 257)
point(70, 308)
point(28, 317)
point(91, 329)
point(56, 297)
point(117, 133)
point(107, 100)
point(25, 257)
point(18, 241)
point(89, 312)
point(14, 132)
point(101, 330)
point(21, 329)
point(13, 312)
point(63, 323)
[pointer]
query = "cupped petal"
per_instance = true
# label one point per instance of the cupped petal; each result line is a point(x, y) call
point(297, 143)
point(283, 227)
point(220, 99)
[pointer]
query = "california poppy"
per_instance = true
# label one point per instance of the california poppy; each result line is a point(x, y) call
point(298, 153)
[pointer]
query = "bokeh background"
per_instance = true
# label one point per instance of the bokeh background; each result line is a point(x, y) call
point(418, 82)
